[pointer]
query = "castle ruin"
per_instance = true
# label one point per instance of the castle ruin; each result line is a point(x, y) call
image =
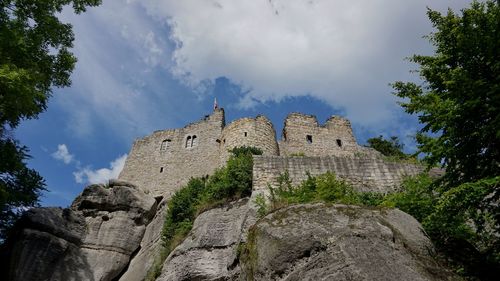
point(164, 161)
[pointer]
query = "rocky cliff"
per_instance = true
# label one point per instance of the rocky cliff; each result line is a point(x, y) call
point(113, 233)
point(94, 239)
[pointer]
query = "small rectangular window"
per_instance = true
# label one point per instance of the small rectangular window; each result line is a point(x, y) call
point(339, 143)
point(309, 138)
point(161, 169)
point(245, 134)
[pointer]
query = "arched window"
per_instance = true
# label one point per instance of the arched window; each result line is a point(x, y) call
point(188, 142)
point(165, 144)
point(194, 141)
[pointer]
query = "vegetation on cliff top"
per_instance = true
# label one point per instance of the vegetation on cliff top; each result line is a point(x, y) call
point(323, 188)
point(465, 234)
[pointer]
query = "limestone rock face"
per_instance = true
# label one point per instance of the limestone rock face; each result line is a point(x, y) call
point(116, 219)
point(210, 250)
point(93, 240)
point(150, 247)
point(322, 242)
point(47, 247)
point(115, 234)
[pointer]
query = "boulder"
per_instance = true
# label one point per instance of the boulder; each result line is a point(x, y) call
point(210, 252)
point(114, 233)
point(339, 242)
point(92, 240)
point(46, 247)
point(151, 245)
point(116, 219)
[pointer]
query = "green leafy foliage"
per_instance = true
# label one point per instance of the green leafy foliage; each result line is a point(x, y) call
point(34, 57)
point(465, 224)
point(390, 147)
point(459, 101)
point(234, 180)
point(416, 197)
point(323, 188)
point(262, 208)
point(20, 186)
point(459, 107)
point(181, 211)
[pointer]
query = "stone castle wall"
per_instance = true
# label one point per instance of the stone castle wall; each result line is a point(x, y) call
point(302, 134)
point(258, 132)
point(166, 160)
point(365, 173)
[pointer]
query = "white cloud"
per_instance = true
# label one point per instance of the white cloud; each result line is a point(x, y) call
point(117, 46)
point(63, 154)
point(87, 175)
point(344, 52)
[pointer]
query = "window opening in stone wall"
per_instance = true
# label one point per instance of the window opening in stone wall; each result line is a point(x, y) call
point(309, 139)
point(339, 143)
point(161, 169)
point(224, 140)
point(188, 142)
point(245, 134)
point(194, 141)
point(165, 144)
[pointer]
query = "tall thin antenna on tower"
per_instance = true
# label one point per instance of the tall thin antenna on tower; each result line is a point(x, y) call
point(215, 104)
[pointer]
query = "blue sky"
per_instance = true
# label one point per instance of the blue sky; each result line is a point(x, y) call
point(149, 65)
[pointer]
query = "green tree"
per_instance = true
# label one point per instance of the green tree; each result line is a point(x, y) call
point(34, 57)
point(458, 104)
point(459, 101)
point(390, 147)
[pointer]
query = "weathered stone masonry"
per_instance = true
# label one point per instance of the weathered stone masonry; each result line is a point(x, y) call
point(302, 134)
point(365, 173)
point(164, 161)
point(162, 167)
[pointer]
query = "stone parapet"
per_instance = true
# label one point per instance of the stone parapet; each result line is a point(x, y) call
point(365, 173)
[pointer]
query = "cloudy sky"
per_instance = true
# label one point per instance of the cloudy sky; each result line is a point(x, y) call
point(155, 64)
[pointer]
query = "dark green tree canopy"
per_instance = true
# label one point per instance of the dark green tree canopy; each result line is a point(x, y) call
point(390, 147)
point(458, 104)
point(34, 57)
point(459, 101)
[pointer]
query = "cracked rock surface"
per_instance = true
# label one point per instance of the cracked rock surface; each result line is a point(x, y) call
point(210, 250)
point(115, 233)
point(150, 246)
point(338, 242)
point(305, 242)
point(92, 240)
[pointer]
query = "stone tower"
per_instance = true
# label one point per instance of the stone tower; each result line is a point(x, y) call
point(166, 160)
